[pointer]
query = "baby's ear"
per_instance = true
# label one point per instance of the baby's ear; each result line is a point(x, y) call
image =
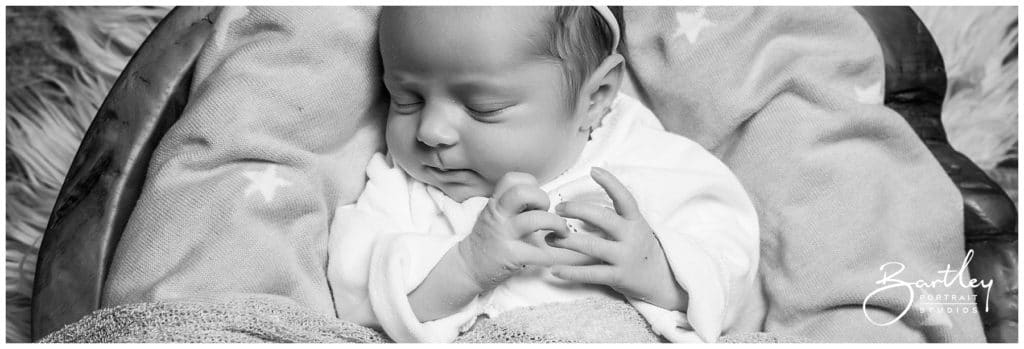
point(603, 86)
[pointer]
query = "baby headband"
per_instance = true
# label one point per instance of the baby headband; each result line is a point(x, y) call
point(606, 13)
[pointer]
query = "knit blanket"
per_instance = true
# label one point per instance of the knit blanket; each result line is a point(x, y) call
point(287, 108)
point(281, 320)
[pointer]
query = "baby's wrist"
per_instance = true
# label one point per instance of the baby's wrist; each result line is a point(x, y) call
point(672, 298)
point(485, 273)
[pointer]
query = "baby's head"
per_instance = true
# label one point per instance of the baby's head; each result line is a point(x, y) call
point(477, 92)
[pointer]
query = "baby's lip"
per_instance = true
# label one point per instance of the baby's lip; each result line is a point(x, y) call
point(440, 164)
point(441, 168)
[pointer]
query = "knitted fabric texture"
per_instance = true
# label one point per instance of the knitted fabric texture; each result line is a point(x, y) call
point(280, 320)
point(251, 319)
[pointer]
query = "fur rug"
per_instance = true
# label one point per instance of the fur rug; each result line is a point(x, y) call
point(68, 59)
point(979, 47)
point(61, 62)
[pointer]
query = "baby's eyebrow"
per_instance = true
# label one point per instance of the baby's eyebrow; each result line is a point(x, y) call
point(392, 81)
point(479, 85)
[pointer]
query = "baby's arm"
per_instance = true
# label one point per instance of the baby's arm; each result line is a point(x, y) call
point(447, 288)
point(494, 250)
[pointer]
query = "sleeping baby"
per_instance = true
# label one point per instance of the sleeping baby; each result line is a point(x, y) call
point(518, 175)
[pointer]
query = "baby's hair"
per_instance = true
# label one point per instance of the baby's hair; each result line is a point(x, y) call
point(580, 39)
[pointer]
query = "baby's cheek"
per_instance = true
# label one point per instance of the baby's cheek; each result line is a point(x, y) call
point(400, 138)
point(392, 137)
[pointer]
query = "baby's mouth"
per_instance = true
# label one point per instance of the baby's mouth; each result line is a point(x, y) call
point(449, 174)
point(440, 162)
point(442, 169)
point(439, 165)
point(445, 172)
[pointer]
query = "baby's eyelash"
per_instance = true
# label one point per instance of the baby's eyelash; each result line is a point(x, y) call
point(487, 111)
point(484, 112)
point(405, 108)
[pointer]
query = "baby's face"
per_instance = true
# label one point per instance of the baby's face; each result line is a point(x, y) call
point(471, 100)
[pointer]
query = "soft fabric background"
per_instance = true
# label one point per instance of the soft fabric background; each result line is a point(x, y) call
point(61, 62)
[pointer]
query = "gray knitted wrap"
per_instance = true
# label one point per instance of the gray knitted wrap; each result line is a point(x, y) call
point(271, 319)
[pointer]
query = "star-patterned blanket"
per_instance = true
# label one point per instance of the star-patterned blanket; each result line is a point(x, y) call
point(286, 110)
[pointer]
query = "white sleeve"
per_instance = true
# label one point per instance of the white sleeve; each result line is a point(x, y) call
point(708, 229)
point(380, 251)
point(399, 264)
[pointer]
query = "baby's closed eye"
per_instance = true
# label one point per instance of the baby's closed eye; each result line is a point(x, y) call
point(487, 109)
point(405, 104)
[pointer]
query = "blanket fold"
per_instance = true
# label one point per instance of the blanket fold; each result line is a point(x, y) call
point(282, 117)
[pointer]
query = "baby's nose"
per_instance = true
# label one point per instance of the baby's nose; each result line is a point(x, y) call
point(436, 129)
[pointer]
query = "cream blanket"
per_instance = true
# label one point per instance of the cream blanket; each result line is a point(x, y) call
point(286, 110)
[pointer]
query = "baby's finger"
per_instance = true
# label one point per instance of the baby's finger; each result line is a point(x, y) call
point(589, 245)
point(531, 221)
point(531, 255)
point(510, 180)
point(625, 204)
point(520, 198)
point(599, 216)
point(590, 274)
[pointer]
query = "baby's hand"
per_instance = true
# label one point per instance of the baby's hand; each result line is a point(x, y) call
point(497, 248)
point(635, 263)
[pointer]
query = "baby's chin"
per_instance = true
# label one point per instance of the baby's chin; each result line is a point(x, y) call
point(462, 192)
point(457, 191)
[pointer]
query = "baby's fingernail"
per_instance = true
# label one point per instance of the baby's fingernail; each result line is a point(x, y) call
point(560, 207)
point(550, 238)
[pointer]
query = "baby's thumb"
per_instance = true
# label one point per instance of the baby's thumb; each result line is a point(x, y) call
point(510, 180)
point(537, 257)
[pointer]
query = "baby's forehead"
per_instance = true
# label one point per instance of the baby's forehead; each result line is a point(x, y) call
point(522, 14)
point(462, 43)
point(522, 21)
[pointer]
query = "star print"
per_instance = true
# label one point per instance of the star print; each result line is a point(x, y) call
point(265, 182)
point(871, 94)
point(691, 24)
